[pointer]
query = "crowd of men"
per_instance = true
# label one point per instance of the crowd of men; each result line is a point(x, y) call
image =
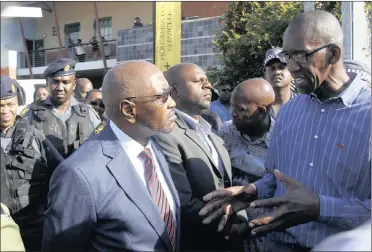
point(156, 162)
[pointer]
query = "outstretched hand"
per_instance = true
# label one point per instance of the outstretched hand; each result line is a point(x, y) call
point(224, 203)
point(296, 206)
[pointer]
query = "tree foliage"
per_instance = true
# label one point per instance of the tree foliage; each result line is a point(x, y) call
point(250, 29)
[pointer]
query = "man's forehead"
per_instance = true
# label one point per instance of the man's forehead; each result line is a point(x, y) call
point(62, 78)
point(10, 100)
point(295, 40)
point(158, 81)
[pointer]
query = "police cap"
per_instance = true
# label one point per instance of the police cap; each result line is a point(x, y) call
point(272, 54)
point(359, 67)
point(60, 67)
point(9, 87)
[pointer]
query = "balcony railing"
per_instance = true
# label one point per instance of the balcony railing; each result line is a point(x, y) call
point(84, 53)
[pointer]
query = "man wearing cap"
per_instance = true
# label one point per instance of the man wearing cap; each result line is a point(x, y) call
point(28, 160)
point(66, 122)
point(277, 74)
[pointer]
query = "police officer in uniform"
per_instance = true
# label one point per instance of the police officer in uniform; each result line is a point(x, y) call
point(66, 122)
point(28, 160)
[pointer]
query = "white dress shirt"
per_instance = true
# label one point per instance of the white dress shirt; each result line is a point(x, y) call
point(133, 149)
point(203, 129)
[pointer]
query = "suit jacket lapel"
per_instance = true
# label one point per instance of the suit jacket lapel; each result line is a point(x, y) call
point(196, 138)
point(224, 155)
point(124, 172)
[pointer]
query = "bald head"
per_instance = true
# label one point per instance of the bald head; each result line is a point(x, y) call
point(257, 91)
point(317, 27)
point(83, 86)
point(129, 79)
point(177, 74)
point(191, 88)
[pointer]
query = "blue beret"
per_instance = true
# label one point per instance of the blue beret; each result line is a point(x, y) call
point(9, 87)
point(60, 67)
point(272, 54)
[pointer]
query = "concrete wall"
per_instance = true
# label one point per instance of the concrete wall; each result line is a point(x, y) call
point(204, 9)
point(122, 14)
point(196, 43)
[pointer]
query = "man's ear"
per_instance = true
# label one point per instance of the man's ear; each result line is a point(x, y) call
point(75, 83)
point(334, 54)
point(128, 109)
point(174, 91)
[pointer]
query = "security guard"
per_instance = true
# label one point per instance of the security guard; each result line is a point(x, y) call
point(10, 237)
point(28, 160)
point(66, 122)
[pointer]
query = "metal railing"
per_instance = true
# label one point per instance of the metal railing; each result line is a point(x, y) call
point(81, 53)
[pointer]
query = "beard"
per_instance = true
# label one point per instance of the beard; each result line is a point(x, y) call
point(307, 84)
point(257, 127)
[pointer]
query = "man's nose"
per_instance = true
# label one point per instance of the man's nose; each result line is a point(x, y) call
point(207, 84)
point(171, 103)
point(292, 66)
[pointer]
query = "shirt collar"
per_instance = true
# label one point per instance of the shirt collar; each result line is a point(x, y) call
point(73, 101)
point(131, 146)
point(350, 93)
point(194, 124)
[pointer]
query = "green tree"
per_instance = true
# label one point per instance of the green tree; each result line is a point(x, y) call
point(249, 30)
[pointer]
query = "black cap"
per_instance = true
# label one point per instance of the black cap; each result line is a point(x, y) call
point(9, 87)
point(272, 54)
point(355, 66)
point(60, 67)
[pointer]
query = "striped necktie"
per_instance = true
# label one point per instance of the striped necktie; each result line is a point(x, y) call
point(158, 195)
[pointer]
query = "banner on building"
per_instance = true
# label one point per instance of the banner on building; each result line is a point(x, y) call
point(167, 30)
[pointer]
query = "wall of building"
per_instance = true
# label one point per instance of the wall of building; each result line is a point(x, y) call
point(196, 43)
point(122, 14)
point(204, 9)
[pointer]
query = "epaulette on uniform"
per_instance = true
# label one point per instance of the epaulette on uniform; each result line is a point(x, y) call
point(100, 127)
point(24, 111)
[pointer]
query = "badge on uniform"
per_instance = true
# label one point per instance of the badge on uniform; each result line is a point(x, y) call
point(99, 128)
point(24, 111)
point(66, 68)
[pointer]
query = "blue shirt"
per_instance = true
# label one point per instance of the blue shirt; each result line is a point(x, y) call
point(220, 109)
point(326, 147)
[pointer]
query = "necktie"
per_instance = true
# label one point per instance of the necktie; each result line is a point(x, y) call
point(158, 195)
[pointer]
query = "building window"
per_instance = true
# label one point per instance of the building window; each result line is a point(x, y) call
point(105, 24)
point(72, 31)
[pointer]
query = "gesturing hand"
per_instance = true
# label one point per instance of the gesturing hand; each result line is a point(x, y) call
point(296, 206)
point(226, 202)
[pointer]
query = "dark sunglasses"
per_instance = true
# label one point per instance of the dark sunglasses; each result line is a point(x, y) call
point(160, 98)
point(101, 105)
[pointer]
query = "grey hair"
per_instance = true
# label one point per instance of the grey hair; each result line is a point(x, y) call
point(319, 26)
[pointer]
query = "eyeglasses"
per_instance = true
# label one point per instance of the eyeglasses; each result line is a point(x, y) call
point(226, 90)
point(101, 105)
point(160, 98)
point(299, 57)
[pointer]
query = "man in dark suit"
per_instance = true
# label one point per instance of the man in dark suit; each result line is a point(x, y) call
point(115, 192)
point(198, 161)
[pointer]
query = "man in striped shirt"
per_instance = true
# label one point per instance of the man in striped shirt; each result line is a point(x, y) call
point(321, 141)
